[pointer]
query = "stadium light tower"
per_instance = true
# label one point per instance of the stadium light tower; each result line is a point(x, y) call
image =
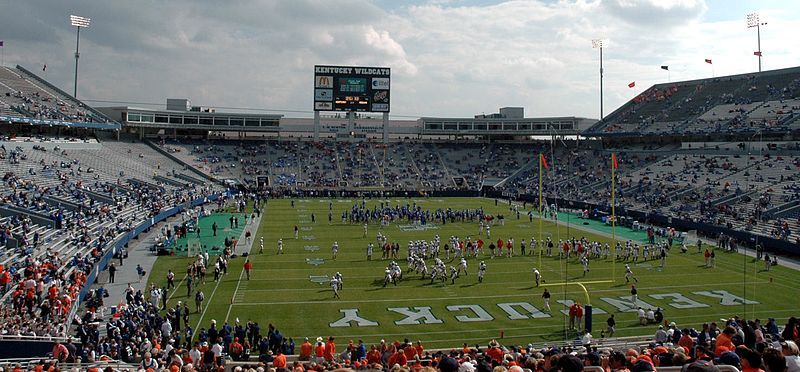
point(79, 22)
point(599, 44)
point(753, 20)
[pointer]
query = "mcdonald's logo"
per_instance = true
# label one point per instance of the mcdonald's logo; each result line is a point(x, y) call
point(323, 82)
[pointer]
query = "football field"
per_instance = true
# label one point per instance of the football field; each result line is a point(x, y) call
point(292, 292)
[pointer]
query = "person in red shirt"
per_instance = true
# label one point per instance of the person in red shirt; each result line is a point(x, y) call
point(419, 348)
point(247, 267)
point(60, 352)
point(578, 314)
point(330, 349)
point(5, 281)
point(573, 311)
point(236, 349)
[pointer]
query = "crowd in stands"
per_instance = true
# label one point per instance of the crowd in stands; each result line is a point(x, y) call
point(744, 103)
point(65, 217)
point(139, 335)
point(737, 190)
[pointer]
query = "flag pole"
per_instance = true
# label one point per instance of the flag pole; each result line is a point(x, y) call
point(541, 216)
point(613, 217)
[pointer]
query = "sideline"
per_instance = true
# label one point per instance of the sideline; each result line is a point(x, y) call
point(248, 249)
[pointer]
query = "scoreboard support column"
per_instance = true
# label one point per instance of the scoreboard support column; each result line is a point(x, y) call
point(385, 127)
point(316, 124)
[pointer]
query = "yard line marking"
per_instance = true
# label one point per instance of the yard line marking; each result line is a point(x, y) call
point(208, 304)
point(609, 290)
point(241, 275)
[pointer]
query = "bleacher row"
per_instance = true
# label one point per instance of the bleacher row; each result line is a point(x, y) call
point(62, 203)
point(22, 95)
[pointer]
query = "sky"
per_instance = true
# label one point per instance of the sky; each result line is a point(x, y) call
point(449, 58)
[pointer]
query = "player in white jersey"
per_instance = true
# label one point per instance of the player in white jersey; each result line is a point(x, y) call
point(585, 263)
point(339, 279)
point(536, 276)
point(335, 249)
point(280, 246)
point(370, 248)
point(629, 274)
point(481, 271)
point(438, 273)
point(261, 242)
point(422, 268)
point(453, 274)
point(462, 266)
point(335, 287)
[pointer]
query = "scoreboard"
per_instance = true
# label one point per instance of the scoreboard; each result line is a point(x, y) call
point(348, 88)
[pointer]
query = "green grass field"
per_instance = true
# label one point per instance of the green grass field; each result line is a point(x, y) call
point(281, 291)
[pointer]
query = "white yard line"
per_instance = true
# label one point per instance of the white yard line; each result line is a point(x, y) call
point(241, 273)
point(207, 304)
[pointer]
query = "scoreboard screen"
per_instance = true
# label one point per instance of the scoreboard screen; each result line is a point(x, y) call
point(347, 88)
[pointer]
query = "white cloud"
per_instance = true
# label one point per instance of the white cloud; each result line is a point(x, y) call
point(447, 59)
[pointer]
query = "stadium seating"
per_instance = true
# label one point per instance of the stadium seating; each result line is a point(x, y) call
point(64, 201)
point(22, 95)
point(740, 103)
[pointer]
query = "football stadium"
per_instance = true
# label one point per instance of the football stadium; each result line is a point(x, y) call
point(355, 212)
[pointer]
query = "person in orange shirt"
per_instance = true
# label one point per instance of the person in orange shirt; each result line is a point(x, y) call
point(305, 351)
point(419, 348)
point(686, 340)
point(495, 352)
point(398, 358)
point(319, 351)
point(330, 349)
point(374, 355)
point(724, 341)
point(751, 360)
point(280, 360)
point(409, 352)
